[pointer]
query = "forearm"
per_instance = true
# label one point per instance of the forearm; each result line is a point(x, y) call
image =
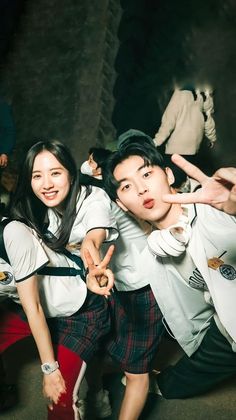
point(41, 333)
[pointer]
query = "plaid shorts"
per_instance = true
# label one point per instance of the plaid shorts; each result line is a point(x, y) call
point(137, 329)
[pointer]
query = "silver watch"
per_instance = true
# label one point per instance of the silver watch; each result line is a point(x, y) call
point(48, 368)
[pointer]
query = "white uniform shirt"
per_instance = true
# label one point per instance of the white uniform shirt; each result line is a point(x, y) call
point(59, 295)
point(132, 263)
point(93, 212)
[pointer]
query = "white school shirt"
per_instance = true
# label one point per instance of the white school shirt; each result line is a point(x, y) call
point(187, 310)
point(132, 263)
point(93, 212)
point(59, 295)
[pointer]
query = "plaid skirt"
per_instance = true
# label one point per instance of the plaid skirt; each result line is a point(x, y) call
point(80, 332)
point(137, 329)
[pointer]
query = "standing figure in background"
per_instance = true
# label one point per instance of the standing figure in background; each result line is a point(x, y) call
point(186, 120)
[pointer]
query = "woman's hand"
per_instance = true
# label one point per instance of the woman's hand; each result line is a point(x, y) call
point(53, 387)
point(100, 279)
point(218, 191)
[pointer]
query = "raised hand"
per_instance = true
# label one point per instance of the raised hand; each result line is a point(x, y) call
point(219, 191)
point(100, 279)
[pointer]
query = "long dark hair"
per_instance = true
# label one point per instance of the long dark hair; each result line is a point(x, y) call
point(27, 208)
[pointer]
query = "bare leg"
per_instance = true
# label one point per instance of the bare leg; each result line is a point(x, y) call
point(136, 392)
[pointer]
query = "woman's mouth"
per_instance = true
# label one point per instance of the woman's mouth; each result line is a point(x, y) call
point(148, 204)
point(50, 195)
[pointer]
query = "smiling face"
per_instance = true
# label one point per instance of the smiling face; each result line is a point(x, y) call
point(50, 180)
point(141, 188)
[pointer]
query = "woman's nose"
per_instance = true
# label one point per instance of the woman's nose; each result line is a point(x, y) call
point(47, 183)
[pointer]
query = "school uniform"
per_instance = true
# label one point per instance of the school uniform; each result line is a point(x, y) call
point(137, 319)
point(78, 332)
point(197, 298)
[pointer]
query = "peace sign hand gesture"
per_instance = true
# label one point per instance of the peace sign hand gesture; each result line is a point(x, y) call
point(99, 279)
point(218, 191)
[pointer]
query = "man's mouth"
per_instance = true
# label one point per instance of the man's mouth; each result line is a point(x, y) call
point(148, 204)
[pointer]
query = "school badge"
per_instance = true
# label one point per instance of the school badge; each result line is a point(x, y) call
point(227, 271)
point(5, 278)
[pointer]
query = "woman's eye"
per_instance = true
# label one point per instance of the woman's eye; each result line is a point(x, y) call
point(125, 187)
point(35, 176)
point(56, 173)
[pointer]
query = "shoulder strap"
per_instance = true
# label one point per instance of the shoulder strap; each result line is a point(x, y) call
point(65, 271)
point(50, 271)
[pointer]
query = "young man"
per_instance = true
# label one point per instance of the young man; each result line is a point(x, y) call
point(195, 249)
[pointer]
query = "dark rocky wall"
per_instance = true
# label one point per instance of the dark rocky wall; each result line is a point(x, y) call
point(58, 74)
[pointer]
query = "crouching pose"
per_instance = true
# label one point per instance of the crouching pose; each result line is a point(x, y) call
point(77, 318)
point(194, 245)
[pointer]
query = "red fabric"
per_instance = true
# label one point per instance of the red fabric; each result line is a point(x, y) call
point(13, 329)
point(70, 365)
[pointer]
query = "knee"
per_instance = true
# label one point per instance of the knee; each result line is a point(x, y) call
point(137, 378)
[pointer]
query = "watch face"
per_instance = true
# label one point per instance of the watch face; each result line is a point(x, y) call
point(46, 367)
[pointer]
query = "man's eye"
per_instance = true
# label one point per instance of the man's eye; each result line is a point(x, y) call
point(147, 174)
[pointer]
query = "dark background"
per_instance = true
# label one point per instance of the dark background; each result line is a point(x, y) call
point(86, 71)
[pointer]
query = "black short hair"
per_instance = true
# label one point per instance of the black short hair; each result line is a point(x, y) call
point(100, 155)
point(144, 149)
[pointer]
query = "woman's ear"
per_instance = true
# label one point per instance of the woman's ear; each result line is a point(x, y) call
point(170, 176)
point(121, 205)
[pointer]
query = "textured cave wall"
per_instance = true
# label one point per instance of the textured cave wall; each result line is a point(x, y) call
point(67, 60)
point(58, 74)
point(165, 40)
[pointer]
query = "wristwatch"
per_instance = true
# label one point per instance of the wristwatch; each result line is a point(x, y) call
point(48, 368)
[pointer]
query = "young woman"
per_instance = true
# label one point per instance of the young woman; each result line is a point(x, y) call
point(59, 215)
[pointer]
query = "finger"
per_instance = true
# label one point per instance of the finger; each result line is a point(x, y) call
point(189, 168)
point(89, 259)
point(184, 198)
point(228, 174)
point(104, 263)
point(110, 279)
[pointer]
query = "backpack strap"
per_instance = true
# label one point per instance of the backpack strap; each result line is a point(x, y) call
point(65, 271)
point(50, 271)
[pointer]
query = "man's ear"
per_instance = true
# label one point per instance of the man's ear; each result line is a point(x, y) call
point(121, 205)
point(170, 176)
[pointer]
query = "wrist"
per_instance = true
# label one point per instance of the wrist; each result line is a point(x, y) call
point(48, 368)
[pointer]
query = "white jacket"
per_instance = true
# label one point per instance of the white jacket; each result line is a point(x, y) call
point(186, 309)
point(182, 124)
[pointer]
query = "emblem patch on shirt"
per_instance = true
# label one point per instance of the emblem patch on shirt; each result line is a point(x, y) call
point(5, 278)
point(228, 271)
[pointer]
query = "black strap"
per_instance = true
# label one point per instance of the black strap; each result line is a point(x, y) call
point(47, 270)
point(3, 253)
point(65, 271)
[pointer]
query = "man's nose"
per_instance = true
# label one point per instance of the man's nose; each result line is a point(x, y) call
point(142, 189)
